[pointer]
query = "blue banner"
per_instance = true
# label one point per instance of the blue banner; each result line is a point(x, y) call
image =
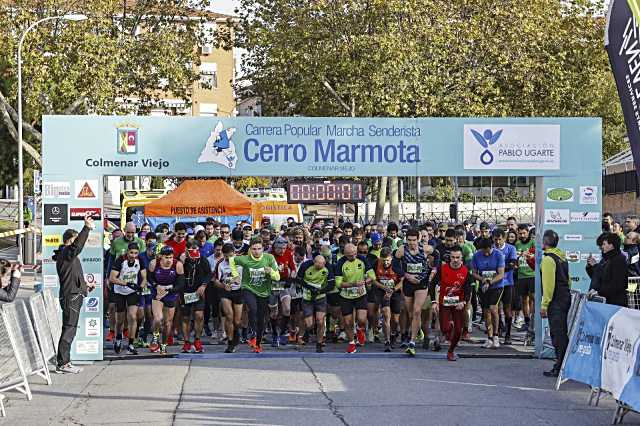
point(603, 351)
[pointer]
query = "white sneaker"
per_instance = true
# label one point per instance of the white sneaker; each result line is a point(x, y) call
point(496, 342)
point(370, 337)
point(470, 328)
point(488, 344)
point(68, 369)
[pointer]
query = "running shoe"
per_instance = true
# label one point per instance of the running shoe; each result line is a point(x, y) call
point(154, 346)
point(186, 348)
point(293, 336)
point(68, 369)
point(404, 343)
point(131, 350)
point(466, 337)
point(387, 346)
point(507, 340)
point(207, 331)
point(163, 349)
point(411, 349)
point(170, 340)
point(139, 343)
point(257, 349)
point(319, 348)
point(496, 342)
point(230, 349)
point(488, 344)
point(425, 343)
point(275, 341)
point(284, 340)
point(451, 356)
point(342, 336)
point(352, 348)
point(370, 337)
point(301, 341)
point(197, 346)
point(306, 337)
point(361, 336)
point(111, 336)
point(252, 343)
point(436, 345)
point(420, 336)
point(117, 346)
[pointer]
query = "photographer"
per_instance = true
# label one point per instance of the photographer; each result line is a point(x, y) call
point(10, 279)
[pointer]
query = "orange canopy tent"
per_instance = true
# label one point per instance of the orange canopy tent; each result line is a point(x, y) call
point(195, 200)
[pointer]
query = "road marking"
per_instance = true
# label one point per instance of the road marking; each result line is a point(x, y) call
point(486, 385)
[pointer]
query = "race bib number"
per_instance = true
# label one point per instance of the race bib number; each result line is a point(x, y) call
point(277, 285)
point(146, 291)
point(450, 300)
point(388, 283)
point(489, 274)
point(191, 298)
point(257, 276)
point(357, 291)
point(523, 262)
point(130, 277)
point(414, 268)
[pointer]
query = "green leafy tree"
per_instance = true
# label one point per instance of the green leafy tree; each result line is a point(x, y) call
point(123, 59)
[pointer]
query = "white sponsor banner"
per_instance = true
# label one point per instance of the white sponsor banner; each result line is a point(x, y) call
point(573, 237)
point(584, 256)
point(93, 278)
point(94, 240)
point(86, 189)
point(556, 216)
point(50, 280)
point(588, 195)
point(577, 217)
point(512, 146)
point(92, 326)
point(56, 189)
point(620, 350)
point(87, 346)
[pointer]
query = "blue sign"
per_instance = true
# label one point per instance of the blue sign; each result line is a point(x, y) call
point(603, 351)
point(138, 218)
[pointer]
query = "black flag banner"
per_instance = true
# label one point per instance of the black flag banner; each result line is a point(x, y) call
point(622, 41)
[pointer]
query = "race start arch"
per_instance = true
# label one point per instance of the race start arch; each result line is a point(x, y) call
point(564, 154)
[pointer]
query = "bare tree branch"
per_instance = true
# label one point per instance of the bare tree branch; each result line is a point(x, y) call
point(6, 118)
point(14, 116)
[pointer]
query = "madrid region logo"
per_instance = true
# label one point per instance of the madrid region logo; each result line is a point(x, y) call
point(220, 148)
point(486, 139)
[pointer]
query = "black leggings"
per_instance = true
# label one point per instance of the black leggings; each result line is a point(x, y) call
point(257, 310)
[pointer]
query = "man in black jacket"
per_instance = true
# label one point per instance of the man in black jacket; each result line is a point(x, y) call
point(73, 288)
point(609, 276)
point(10, 280)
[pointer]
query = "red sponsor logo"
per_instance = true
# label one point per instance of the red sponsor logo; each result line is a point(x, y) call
point(78, 213)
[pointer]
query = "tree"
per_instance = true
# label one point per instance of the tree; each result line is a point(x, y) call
point(381, 199)
point(394, 209)
point(417, 58)
point(123, 59)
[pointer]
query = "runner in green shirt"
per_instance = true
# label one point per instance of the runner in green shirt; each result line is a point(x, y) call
point(258, 271)
point(314, 277)
point(526, 276)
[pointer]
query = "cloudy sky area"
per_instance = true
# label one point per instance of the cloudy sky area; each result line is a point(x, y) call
point(225, 6)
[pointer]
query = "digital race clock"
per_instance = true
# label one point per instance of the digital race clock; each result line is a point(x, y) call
point(327, 191)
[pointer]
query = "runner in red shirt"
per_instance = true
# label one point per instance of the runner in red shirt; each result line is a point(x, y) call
point(280, 294)
point(455, 291)
point(178, 242)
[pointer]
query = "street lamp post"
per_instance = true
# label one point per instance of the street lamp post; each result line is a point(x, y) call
point(70, 17)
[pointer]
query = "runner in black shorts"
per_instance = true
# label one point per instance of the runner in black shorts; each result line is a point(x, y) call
point(352, 276)
point(127, 277)
point(313, 276)
point(197, 274)
point(231, 297)
point(372, 308)
point(388, 285)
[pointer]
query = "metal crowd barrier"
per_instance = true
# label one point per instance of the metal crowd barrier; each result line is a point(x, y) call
point(633, 290)
point(41, 323)
point(12, 369)
point(54, 315)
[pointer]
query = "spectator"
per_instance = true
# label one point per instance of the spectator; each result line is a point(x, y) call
point(609, 276)
point(631, 223)
point(10, 280)
point(633, 253)
point(556, 299)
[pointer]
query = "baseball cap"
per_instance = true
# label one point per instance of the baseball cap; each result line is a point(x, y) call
point(279, 243)
point(375, 237)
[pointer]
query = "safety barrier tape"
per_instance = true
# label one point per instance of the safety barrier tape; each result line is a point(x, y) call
point(20, 231)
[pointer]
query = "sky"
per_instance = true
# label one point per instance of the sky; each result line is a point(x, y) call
point(225, 6)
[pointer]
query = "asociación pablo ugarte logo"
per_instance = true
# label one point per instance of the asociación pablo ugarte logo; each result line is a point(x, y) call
point(486, 139)
point(220, 148)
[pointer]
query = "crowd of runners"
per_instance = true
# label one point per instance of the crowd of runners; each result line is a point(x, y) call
point(322, 282)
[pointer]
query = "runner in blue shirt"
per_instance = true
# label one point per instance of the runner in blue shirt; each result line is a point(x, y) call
point(488, 269)
point(510, 261)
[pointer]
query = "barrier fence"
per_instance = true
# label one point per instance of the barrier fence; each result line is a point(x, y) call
point(29, 333)
point(598, 353)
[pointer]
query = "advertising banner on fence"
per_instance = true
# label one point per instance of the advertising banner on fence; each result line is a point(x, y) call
point(603, 351)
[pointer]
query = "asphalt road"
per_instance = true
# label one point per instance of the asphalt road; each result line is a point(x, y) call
point(333, 390)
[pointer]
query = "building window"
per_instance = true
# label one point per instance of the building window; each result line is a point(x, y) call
point(209, 75)
point(208, 110)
